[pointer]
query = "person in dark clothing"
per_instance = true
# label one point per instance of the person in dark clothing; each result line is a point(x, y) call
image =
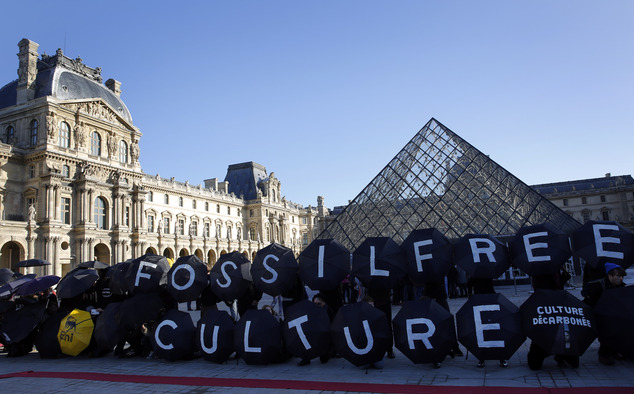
point(383, 302)
point(536, 355)
point(485, 286)
point(249, 299)
point(613, 278)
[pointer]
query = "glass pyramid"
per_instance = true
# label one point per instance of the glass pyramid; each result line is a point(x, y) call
point(440, 180)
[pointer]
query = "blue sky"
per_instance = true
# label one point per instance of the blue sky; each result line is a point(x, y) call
point(325, 93)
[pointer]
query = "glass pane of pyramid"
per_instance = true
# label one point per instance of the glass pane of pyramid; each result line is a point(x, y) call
point(440, 180)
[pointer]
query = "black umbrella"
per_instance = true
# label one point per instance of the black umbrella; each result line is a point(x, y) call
point(360, 333)
point(147, 273)
point(324, 264)
point(6, 306)
point(46, 341)
point(424, 331)
point(32, 263)
point(599, 242)
point(306, 330)
point(214, 336)
point(174, 336)
point(20, 322)
point(94, 264)
point(107, 331)
point(37, 285)
point(116, 278)
point(8, 289)
point(539, 250)
point(76, 282)
point(258, 337)
point(429, 255)
point(614, 314)
point(229, 278)
point(558, 322)
point(187, 278)
point(379, 263)
point(6, 276)
point(490, 326)
point(274, 269)
point(481, 256)
point(138, 309)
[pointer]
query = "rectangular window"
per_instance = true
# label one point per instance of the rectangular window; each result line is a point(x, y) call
point(228, 210)
point(217, 208)
point(206, 206)
point(602, 198)
point(181, 226)
point(250, 213)
point(584, 200)
point(166, 225)
point(565, 202)
point(304, 220)
point(305, 239)
point(126, 216)
point(194, 204)
point(194, 228)
point(252, 234)
point(207, 230)
point(166, 199)
point(31, 171)
point(150, 223)
point(66, 210)
point(586, 216)
point(606, 215)
point(150, 196)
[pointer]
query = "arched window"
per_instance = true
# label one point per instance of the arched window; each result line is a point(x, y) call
point(33, 135)
point(10, 134)
point(123, 152)
point(64, 135)
point(100, 213)
point(95, 143)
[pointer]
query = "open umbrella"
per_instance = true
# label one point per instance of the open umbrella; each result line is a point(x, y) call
point(324, 264)
point(187, 278)
point(598, 242)
point(490, 326)
point(6, 276)
point(558, 322)
point(481, 256)
point(258, 337)
point(379, 263)
point(360, 333)
point(32, 263)
point(76, 282)
point(147, 273)
point(94, 264)
point(174, 336)
point(116, 277)
point(18, 323)
point(539, 250)
point(75, 332)
point(306, 330)
point(8, 289)
point(274, 269)
point(215, 336)
point(107, 332)
point(137, 310)
point(46, 341)
point(429, 255)
point(424, 331)
point(614, 314)
point(227, 277)
point(37, 285)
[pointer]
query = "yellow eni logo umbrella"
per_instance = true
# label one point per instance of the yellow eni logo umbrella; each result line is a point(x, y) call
point(75, 331)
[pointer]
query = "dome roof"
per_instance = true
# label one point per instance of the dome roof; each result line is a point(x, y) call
point(56, 78)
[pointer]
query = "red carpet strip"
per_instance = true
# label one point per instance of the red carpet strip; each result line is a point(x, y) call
point(307, 385)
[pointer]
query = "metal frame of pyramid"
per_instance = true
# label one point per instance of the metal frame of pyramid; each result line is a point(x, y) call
point(440, 180)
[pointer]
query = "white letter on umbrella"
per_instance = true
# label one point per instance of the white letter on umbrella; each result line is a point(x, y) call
point(529, 247)
point(225, 275)
point(139, 274)
point(411, 337)
point(297, 324)
point(187, 285)
point(248, 348)
point(271, 270)
point(421, 257)
point(478, 251)
point(479, 327)
point(170, 323)
point(368, 335)
point(373, 270)
point(320, 261)
point(599, 241)
point(214, 340)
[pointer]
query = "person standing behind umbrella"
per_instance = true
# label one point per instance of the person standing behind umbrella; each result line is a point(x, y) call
point(614, 274)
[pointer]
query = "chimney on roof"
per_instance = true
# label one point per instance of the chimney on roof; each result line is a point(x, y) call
point(608, 175)
point(115, 86)
point(27, 70)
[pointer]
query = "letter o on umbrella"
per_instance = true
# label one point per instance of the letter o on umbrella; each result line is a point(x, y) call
point(360, 333)
point(490, 326)
point(258, 337)
point(174, 336)
point(539, 250)
point(187, 278)
point(274, 270)
point(424, 331)
point(215, 336)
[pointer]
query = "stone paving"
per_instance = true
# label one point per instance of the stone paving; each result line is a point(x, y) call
point(457, 372)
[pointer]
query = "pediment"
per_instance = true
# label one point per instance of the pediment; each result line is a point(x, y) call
point(97, 108)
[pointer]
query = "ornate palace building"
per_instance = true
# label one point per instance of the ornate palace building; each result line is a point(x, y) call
point(72, 188)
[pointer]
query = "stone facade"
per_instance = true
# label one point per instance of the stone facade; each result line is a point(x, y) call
point(72, 188)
